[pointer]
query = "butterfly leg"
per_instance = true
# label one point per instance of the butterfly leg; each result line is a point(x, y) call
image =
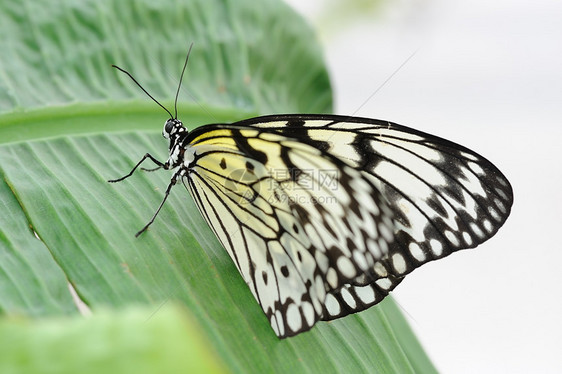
point(174, 180)
point(153, 169)
point(149, 156)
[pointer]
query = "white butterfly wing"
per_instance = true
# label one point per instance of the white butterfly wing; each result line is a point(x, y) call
point(298, 223)
point(444, 197)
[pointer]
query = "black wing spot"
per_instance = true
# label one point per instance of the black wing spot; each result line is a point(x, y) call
point(264, 275)
point(223, 164)
point(250, 167)
point(285, 271)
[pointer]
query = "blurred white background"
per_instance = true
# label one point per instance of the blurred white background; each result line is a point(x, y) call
point(488, 75)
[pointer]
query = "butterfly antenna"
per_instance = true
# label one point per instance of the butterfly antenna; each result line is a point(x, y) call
point(181, 78)
point(141, 87)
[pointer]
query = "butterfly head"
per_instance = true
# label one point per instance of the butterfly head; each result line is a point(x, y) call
point(172, 129)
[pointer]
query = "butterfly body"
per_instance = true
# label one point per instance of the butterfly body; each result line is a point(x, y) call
point(324, 215)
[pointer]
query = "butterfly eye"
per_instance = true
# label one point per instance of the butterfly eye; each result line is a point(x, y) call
point(169, 126)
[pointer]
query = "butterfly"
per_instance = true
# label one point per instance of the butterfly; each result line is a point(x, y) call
point(324, 215)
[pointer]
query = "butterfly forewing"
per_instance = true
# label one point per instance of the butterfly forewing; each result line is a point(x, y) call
point(444, 196)
point(297, 222)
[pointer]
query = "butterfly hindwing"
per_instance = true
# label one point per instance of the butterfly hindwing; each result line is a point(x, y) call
point(297, 222)
point(358, 296)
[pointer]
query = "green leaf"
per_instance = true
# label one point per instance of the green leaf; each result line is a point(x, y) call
point(69, 122)
point(109, 342)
